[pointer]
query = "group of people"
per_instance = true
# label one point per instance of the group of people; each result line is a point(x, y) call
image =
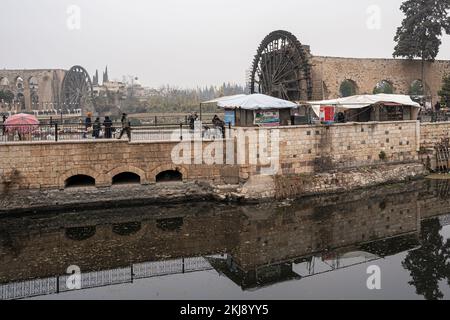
point(108, 126)
point(216, 121)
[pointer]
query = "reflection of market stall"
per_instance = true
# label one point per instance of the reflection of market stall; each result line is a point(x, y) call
point(255, 110)
point(366, 108)
point(311, 265)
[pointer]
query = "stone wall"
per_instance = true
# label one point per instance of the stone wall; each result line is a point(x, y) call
point(433, 133)
point(47, 91)
point(328, 73)
point(309, 159)
point(302, 150)
point(48, 165)
point(312, 149)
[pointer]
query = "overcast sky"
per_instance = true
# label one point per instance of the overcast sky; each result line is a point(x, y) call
point(187, 43)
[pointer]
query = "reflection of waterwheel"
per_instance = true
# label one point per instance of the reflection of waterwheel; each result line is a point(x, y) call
point(77, 92)
point(281, 68)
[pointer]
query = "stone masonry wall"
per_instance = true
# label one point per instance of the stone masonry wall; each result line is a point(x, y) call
point(48, 165)
point(328, 73)
point(312, 149)
point(303, 150)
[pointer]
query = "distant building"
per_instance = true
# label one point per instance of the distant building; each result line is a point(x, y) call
point(31, 89)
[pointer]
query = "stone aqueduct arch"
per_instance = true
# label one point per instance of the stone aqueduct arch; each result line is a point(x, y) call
point(40, 88)
point(122, 169)
point(103, 179)
point(328, 73)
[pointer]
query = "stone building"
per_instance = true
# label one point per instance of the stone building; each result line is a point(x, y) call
point(332, 75)
point(31, 89)
point(286, 68)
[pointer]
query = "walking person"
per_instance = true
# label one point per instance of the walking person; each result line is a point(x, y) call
point(96, 128)
point(125, 127)
point(87, 124)
point(108, 127)
point(4, 117)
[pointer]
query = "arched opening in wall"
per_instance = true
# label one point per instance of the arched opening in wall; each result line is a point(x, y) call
point(383, 86)
point(126, 178)
point(4, 82)
point(79, 180)
point(169, 176)
point(19, 83)
point(170, 224)
point(81, 233)
point(33, 83)
point(34, 100)
point(127, 229)
point(348, 88)
point(416, 88)
point(21, 100)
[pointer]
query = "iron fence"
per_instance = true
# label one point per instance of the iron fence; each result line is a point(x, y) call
point(96, 279)
point(138, 133)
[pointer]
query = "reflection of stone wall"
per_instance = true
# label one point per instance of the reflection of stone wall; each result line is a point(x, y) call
point(45, 249)
point(41, 246)
point(288, 234)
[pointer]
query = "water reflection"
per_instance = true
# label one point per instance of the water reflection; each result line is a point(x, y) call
point(429, 264)
point(254, 246)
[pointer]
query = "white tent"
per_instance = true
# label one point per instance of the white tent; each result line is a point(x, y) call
point(253, 102)
point(223, 99)
point(362, 101)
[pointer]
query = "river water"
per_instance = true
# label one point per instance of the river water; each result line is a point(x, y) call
point(391, 242)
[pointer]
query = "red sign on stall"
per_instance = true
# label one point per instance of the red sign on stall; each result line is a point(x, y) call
point(327, 113)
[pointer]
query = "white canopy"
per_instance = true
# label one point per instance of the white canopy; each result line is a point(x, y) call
point(253, 102)
point(362, 101)
point(223, 99)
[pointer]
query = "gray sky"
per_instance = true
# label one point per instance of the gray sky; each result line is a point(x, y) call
point(188, 42)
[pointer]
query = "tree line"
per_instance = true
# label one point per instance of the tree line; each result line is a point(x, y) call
point(169, 99)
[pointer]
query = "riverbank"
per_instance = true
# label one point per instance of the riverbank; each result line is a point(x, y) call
point(255, 189)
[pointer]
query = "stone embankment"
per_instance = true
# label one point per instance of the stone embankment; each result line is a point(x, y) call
point(257, 188)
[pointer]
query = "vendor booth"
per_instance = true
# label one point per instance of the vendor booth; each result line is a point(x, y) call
point(366, 108)
point(255, 110)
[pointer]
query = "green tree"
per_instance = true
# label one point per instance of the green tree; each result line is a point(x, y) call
point(428, 265)
point(6, 96)
point(444, 93)
point(420, 34)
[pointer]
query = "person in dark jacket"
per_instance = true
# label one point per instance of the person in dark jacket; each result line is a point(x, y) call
point(108, 127)
point(125, 127)
point(219, 124)
point(88, 121)
point(96, 128)
point(4, 117)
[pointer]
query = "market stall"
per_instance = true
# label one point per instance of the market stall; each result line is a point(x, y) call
point(255, 110)
point(365, 108)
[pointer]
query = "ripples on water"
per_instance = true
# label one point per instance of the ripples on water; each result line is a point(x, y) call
point(313, 248)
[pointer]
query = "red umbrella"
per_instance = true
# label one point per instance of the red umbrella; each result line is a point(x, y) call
point(21, 123)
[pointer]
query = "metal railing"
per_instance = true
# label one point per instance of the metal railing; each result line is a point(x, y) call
point(96, 279)
point(434, 116)
point(139, 133)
